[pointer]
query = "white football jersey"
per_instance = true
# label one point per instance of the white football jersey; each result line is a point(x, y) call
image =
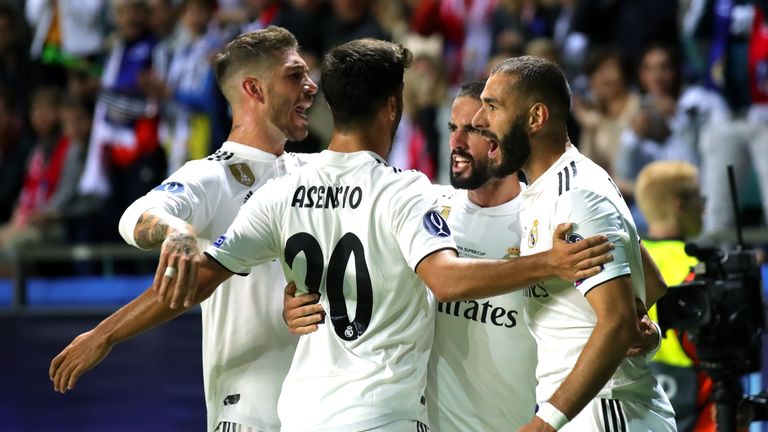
point(481, 374)
point(246, 346)
point(575, 189)
point(353, 229)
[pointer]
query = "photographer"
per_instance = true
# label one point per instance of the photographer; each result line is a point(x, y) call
point(668, 195)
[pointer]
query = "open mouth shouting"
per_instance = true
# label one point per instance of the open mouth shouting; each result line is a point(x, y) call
point(460, 162)
point(301, 110)
point(493, 142)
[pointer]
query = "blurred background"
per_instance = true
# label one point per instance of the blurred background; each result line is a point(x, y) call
point(101, 100)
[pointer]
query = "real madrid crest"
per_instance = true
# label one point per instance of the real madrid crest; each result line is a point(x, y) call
point(242, 173)
point(512, 252)
point(533, 236)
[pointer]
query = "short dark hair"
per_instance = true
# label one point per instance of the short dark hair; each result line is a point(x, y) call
point(358, 77)
point(259, 49)
point(539, 80)
point(600, 55)
point(472, 89)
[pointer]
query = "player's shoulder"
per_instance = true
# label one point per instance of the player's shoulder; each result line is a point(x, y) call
point(302, 159)
point(407, 180)
point(200, 171)
point(580, 176)
point(444, 193)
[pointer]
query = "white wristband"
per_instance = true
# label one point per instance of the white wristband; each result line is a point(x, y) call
point(661, 336)
point(551, 415)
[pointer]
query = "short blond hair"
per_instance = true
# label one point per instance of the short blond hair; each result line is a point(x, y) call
point(659, 183)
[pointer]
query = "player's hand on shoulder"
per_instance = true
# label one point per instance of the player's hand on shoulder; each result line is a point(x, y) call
point(536, 425)
point(176, 275)
point(578, 260)
point(85, 352)
point(301, 313)
point(648, 336)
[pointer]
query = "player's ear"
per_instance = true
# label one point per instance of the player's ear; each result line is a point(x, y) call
point(538, 115)
point(254, 88)
point(392, 107)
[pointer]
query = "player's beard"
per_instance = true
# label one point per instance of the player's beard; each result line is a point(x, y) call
point(281, 113)
point(514, 149)
point(477, 176)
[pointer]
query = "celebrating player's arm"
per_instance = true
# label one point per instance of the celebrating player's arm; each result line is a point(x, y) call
point(612, 296)
point(454, 279)
point(163, 217)
point(142, 313)
point(168, 217)
point(655, 286)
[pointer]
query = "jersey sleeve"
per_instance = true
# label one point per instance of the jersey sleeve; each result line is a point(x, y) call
point(253, 237)
point(593, 214)
point(417, 224)
point(190, 194)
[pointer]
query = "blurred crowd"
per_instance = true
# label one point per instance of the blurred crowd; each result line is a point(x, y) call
point(100, 100)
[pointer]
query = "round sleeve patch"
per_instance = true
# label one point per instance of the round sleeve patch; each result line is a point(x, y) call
point(172, 187)
point(436, 225)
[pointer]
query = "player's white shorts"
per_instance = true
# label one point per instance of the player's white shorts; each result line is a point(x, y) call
point(401, 426)
point(234, 427)
point(611, 415)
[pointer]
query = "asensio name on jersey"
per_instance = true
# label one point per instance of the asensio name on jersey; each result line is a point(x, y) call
point(366, 365)
point(242, 320)
point(575, 189)
point(481, 370)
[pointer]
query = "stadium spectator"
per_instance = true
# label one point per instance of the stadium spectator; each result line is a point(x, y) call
point(69, 35)
point(516, 22)
point(192, 106)
point(417, 140)
point(43, 169)
point(465, 27)
point(15, 146)
point(124, 157)
point(669, 123)
point(351, 19)
point(608, 110)
point(741, 47)
point(628, 25)
point(69, 215)
point(669, 196)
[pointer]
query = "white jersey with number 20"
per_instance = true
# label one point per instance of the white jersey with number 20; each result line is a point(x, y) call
point(353, 229)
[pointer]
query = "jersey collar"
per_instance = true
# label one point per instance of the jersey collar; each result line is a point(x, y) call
point(345, 158)
point(510, 207)
point(249, 152)
point(572, 154)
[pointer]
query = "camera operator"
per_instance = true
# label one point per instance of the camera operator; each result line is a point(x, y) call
point(668, 195)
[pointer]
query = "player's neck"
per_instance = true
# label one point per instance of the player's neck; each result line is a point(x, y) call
point(495, 192)
point(355, 140)
point(543, 155)
point(664, 230)
point(257, 134)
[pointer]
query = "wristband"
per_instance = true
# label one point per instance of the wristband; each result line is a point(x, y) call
point(661, 337)
point(551, 415)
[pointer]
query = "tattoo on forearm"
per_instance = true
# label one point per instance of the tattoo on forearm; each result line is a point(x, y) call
point(150, 231)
